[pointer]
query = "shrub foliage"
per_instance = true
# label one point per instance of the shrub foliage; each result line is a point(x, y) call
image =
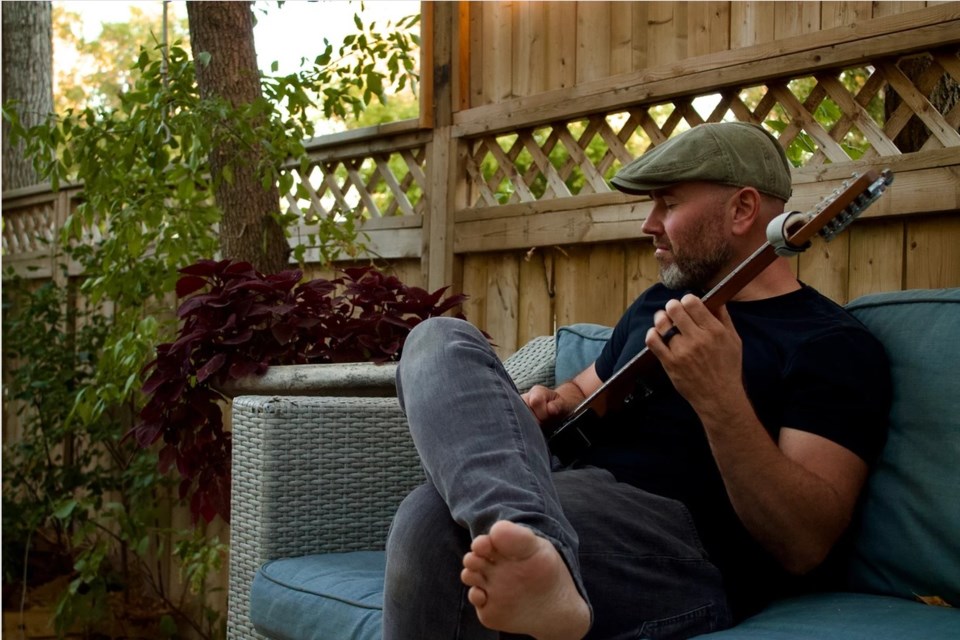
point(236, 322)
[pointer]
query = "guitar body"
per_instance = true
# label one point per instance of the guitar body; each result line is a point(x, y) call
point(788, 234)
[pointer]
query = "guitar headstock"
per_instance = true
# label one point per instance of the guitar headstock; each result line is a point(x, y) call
point(865, 195)
point(790, 233)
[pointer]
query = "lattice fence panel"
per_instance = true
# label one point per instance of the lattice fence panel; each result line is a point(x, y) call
point(369, 186)
point(30, 230)
point(887, 108)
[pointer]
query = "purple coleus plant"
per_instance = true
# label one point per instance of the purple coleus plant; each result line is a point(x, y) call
point(237, 322)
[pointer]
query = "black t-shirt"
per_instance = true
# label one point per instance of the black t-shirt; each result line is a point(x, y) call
point(807, 365)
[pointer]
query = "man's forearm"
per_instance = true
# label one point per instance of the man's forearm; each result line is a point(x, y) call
point(572, 396)
point(794, 513)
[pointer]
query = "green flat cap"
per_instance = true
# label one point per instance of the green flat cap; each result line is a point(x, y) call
point(739, 154)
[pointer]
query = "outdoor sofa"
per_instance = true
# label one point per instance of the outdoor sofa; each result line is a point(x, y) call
point(316, 481)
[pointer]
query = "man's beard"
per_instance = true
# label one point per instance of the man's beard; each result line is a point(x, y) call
point(702, 269)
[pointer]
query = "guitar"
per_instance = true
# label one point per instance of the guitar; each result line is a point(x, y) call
point(788, 234)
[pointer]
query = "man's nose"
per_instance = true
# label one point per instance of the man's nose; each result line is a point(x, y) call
point(651, 225)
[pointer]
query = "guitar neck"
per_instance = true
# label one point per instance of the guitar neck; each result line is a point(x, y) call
point(622, 385)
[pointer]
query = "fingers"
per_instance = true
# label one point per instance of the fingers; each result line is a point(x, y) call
point(543, 402)
point(688, 315)
point(662, 322)
point(724, 317)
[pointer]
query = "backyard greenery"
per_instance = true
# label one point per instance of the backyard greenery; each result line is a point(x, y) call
point(81, 497)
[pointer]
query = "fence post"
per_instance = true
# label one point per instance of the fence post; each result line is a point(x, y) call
point(444, 158)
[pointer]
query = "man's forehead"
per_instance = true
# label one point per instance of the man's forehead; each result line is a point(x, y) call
point(679, 189)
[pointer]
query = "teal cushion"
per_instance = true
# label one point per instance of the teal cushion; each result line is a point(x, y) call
point(309, 597)
point(909, 539)
point(578, 345)
point(846, 616)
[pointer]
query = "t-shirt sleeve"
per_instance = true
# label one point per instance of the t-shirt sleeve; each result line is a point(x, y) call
point(607, 360)
point(628, 334)
point(838, 386)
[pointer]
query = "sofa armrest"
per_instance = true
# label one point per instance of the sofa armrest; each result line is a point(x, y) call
point(312, 475)
point(533, 363)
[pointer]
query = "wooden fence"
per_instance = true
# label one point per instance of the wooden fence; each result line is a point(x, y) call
point(500, 188)
point(541, 240)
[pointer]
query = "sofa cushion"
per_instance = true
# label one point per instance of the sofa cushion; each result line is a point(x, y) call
point(908, 543)
point(307, 597)
point(578, 345)
point(845, 616)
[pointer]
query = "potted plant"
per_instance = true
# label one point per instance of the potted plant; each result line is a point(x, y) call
point(238, 323)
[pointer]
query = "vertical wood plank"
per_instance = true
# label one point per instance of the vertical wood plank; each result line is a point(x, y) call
point(876, 257)
point(437, 253)
point(826, 266)
point(536, 295)
point(409, 272)
point(464, 53)
point(933, 257)
point(503, 302)
point(590, 285)
point(474, 279)
point(621, 37)
point(751, 23)
point(426, 66)
point(641, 269)
point(529, 46)
point(561, 63)
point(894, 7)
point(638, 44)
point(666, 32)
point(445, 159)
point(708, 27)
point(593, 40)
point(478, 93)
point(838, 14)
point(497, 71)
point(796, 18)
point(681, 35)
point(492, 282)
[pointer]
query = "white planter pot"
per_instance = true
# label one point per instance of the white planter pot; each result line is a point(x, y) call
point(356, 379)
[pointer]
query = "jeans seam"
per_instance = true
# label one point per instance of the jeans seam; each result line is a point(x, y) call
point(516, 429)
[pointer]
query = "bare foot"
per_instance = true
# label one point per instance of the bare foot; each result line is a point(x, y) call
point(520, 584)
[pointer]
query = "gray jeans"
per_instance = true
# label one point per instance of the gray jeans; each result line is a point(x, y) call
point(635, 557)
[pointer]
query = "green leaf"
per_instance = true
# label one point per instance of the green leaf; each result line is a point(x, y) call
point(65, 509)
point(168, 626)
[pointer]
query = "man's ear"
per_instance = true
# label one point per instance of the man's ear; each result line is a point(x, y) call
point(744, 208)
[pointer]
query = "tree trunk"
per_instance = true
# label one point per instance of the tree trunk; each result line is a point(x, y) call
point(945, 94)
point(224, 30)
point(27, 78)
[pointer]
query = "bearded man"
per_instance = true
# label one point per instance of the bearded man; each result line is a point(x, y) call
point(730, 485)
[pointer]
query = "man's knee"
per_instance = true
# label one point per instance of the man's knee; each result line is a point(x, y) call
point(439, 332)
point(436, 349)
point(423, 526)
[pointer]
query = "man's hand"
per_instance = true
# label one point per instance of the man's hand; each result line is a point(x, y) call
point(703, 360)
point(545, 403)
point(552, 405)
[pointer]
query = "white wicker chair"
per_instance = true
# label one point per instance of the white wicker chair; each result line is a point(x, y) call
point(315, 474)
